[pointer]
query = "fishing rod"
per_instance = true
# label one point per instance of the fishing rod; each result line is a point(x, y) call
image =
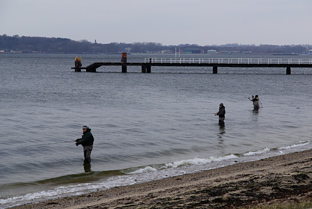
point(211, 113)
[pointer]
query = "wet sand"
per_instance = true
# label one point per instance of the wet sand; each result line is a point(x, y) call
point(275, 180)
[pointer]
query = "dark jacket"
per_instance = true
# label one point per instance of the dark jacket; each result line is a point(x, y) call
point(87, 139)
point(221, 112)
point(255, 101)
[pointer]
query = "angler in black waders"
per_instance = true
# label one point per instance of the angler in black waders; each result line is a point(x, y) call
point(221, 114)
point(87, 142)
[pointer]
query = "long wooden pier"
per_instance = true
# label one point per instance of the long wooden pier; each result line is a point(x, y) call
point(215, 63)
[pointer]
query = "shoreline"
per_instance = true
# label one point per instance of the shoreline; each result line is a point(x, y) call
point(280, 179)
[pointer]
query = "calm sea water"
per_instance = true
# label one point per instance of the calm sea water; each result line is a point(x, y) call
point(146, 126)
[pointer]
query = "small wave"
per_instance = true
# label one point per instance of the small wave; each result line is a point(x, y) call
point(147, 169)
point(63, 186)
point(258, 152)
point(198, 161)
point(46, 194)
point(294, 146)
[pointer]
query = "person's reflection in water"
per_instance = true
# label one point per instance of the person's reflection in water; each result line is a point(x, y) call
point(255, 115)
point(221, 132)
point(255, 111)
point(87, 166)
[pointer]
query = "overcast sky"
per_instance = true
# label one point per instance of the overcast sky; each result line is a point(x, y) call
point(203, 22)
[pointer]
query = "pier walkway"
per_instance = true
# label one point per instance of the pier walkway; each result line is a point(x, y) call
point(147, 64)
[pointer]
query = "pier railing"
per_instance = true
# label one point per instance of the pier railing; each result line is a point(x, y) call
point(251, 61)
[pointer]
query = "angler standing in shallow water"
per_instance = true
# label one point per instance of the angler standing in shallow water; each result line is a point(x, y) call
point(255, 101)
point(221, 114)
point(87, 142)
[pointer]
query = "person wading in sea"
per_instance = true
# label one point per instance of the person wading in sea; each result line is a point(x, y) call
point(255, 101)
point(221, 114)
point(87, 142)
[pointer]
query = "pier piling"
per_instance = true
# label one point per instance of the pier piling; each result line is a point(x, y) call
point(143, 68)
point(78, 64)
point(215, 69)
point(124, 68)
point(288, 70)
point(149, 69)
point(124, 62)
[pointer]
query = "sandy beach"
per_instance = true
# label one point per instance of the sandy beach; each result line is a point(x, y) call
point(276, 180)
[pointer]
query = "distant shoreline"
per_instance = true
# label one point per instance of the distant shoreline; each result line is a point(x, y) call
point(275, 55)
point(26, 44)
point(283, 179)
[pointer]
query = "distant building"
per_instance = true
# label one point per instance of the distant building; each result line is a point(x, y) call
point(192, 51)
point(211, 51)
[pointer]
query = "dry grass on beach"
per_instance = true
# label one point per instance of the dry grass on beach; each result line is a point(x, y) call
point(279, 182)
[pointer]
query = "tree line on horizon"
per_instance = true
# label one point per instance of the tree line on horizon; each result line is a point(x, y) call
point(25, 44)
